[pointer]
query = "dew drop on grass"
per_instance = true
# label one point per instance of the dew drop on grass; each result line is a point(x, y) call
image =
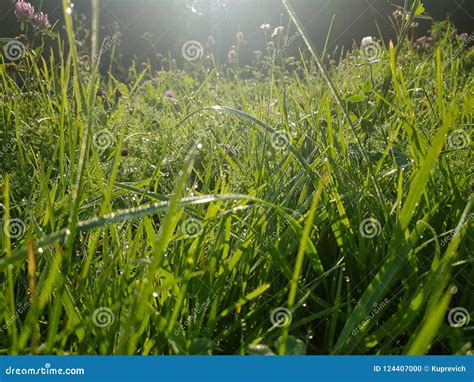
point(69, 9)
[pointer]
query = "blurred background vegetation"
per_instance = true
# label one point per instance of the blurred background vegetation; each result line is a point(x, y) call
point(152, 29)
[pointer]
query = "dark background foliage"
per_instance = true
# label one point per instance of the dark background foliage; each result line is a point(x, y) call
point(169, 23)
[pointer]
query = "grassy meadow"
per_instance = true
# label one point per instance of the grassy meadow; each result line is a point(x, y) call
point(298, 206)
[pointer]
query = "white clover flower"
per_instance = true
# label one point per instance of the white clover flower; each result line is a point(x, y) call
point(367, 41)
point(278, 31)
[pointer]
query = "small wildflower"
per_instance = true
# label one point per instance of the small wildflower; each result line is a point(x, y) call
point(278, 31)
point(271, 46)
point(232, 56)
point(210, 42)
point(367, 41)
point(24, 11)
point(424, 43)
point(41, 21)
point(398, 14)
point(240, 38)
point(265, 27)
point(463, 37)
point(169, 94)
point(257, 54)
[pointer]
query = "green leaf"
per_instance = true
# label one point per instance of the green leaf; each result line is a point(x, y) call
point(247, 298)
point(401, 244)
point(356, 98)
point(202, 346)
point(430, 326)
point(294, 346)
point(420, 10)
point(367, 87)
